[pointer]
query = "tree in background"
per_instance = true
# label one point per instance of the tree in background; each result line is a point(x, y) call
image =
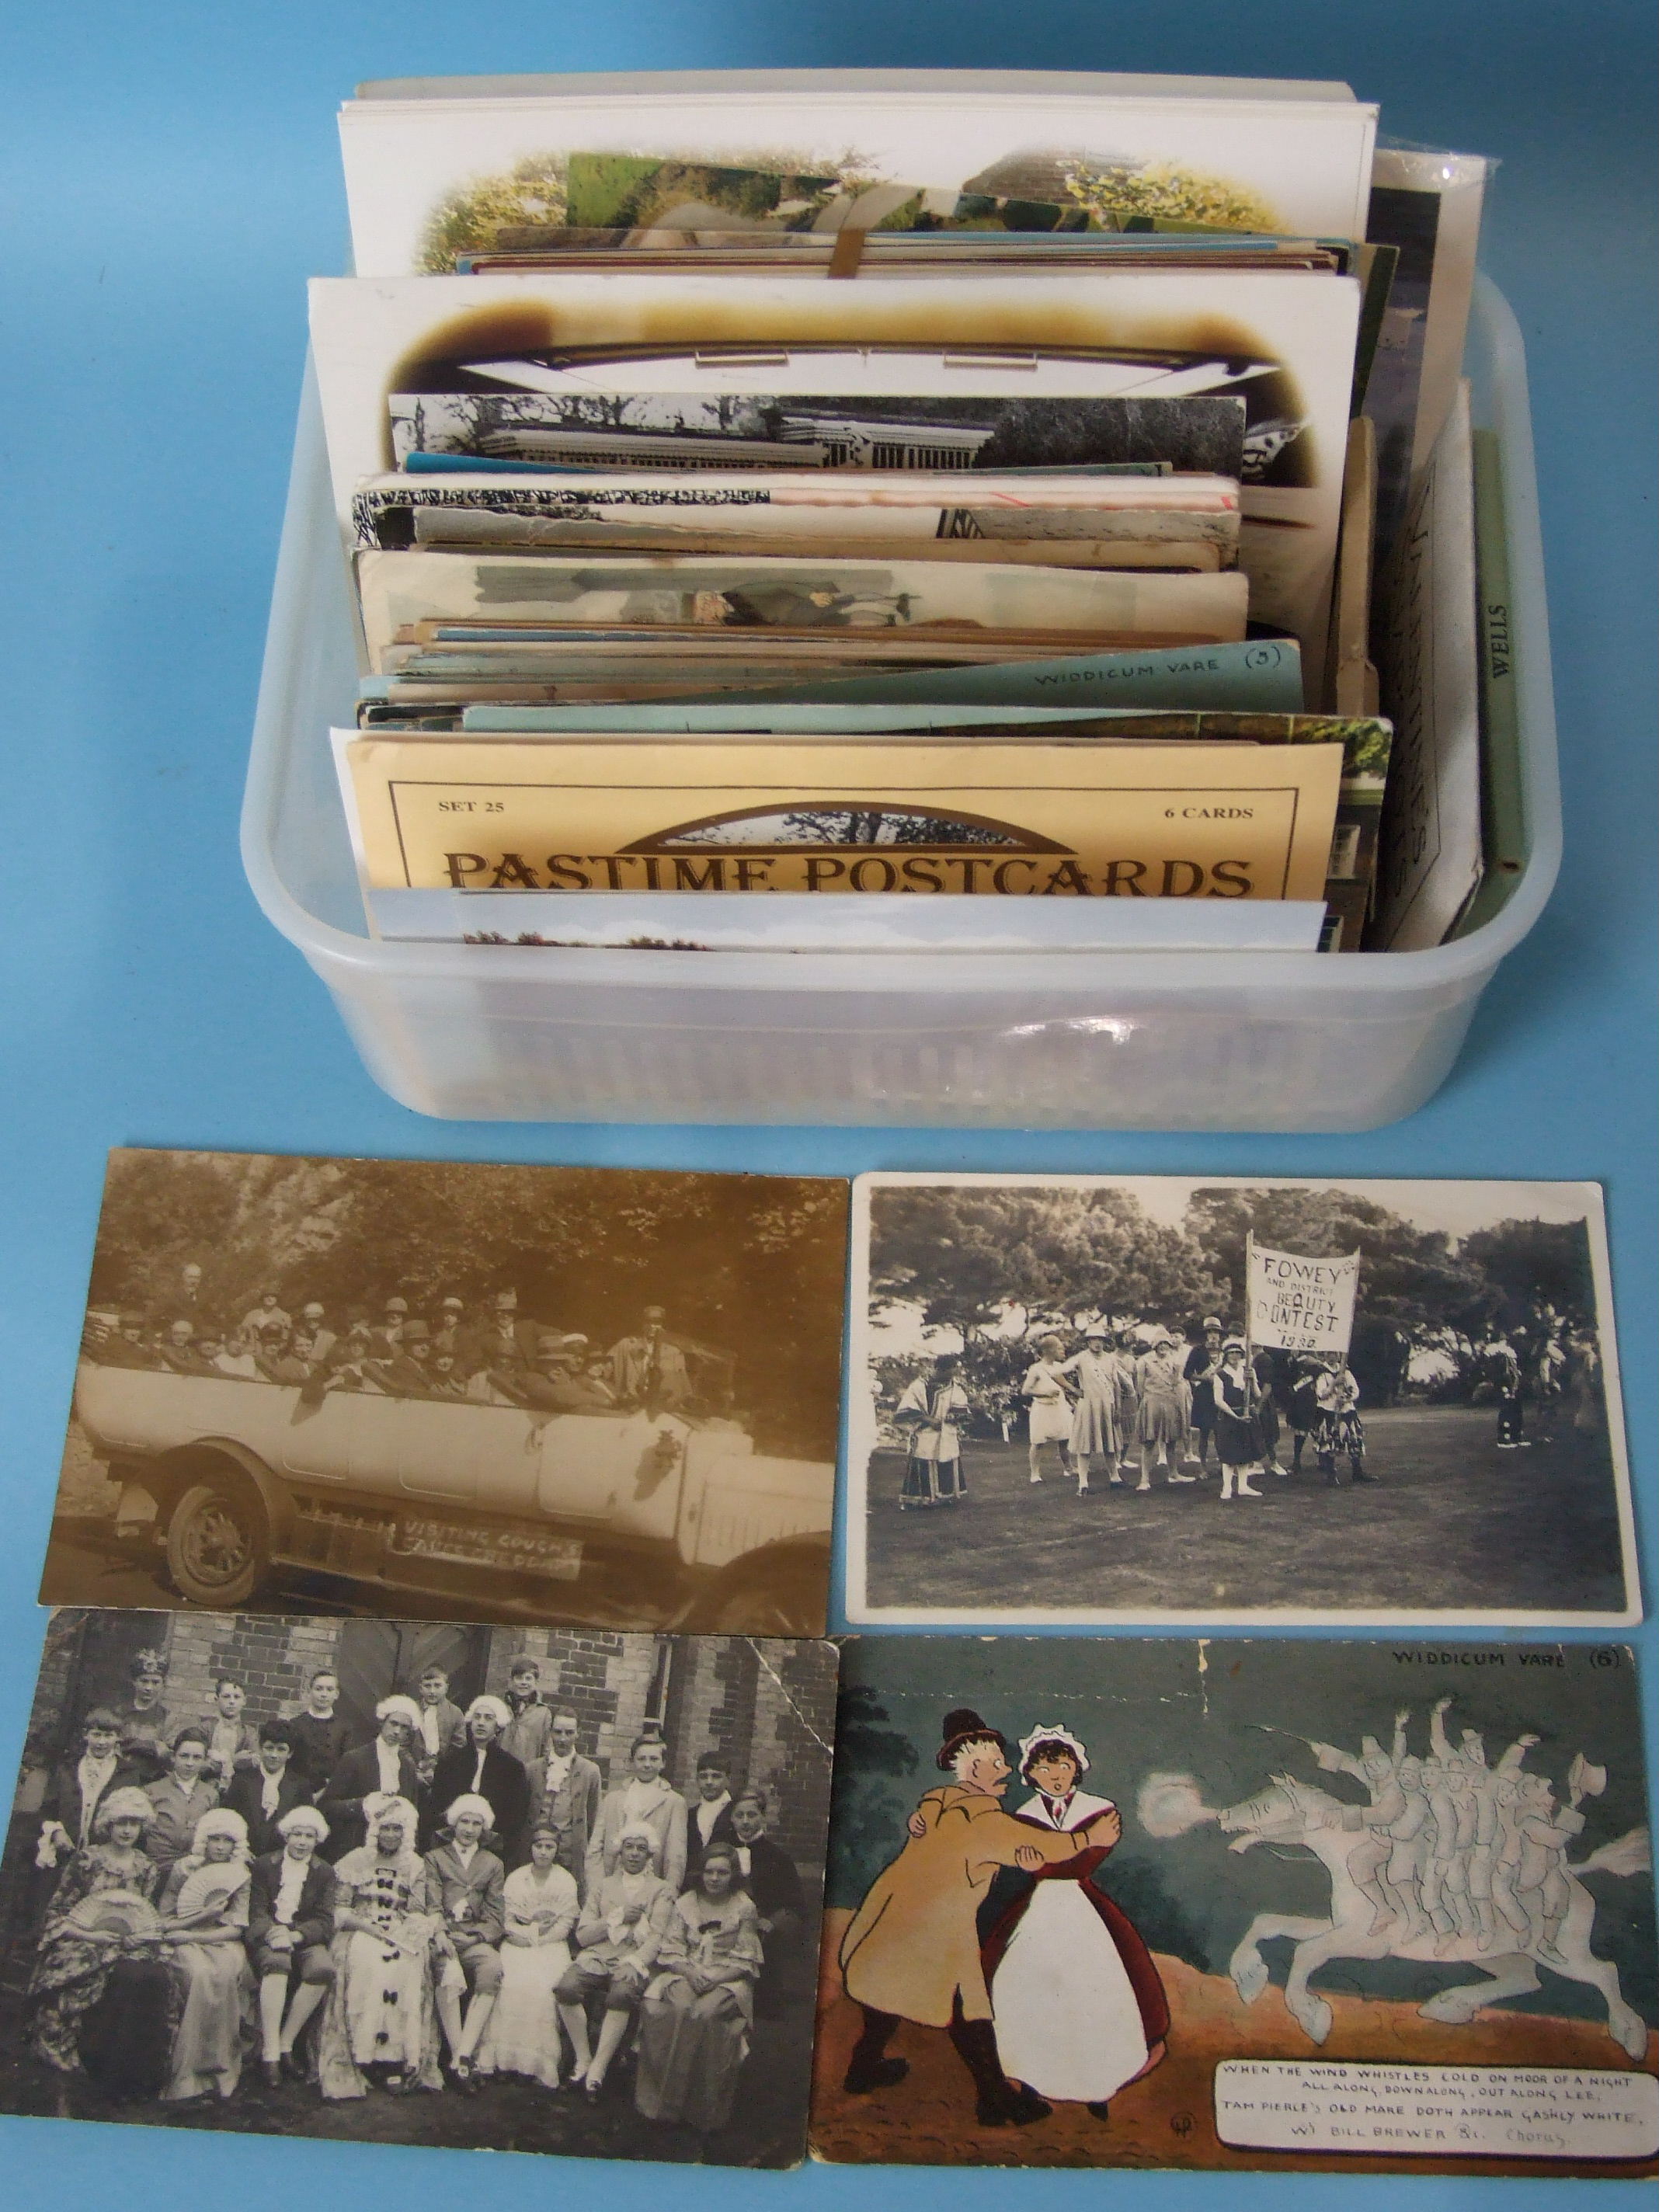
point(1411, 1280)
point(966, 1255)
point(866, 1828)
point(1528, 1263)
point(752, 1266)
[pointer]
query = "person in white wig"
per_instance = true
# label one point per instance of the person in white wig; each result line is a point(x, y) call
point(204, 1906)
point(383, 1768)
point(380, 2020)
point(465, 1879)
point(1076, 2003)
point(479, 1766)
point(619, 1935)
point(290, 1927)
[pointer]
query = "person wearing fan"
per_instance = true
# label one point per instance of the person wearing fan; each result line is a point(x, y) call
point(1076, 2003)
point(102, 1998)
point(205, 1903)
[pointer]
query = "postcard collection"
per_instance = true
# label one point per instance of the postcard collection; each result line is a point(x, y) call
point(437, 1738)
point(438, 1735)
point(970, 439)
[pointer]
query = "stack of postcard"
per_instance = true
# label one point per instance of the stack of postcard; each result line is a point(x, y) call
point(437, 1744)
point(1016, 445)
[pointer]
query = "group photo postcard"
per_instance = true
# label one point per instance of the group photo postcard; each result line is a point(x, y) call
point(572, 1396)
point(419, 1882)
point(1081, 1399)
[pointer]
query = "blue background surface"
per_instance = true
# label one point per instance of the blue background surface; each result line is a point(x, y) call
point(169, 176)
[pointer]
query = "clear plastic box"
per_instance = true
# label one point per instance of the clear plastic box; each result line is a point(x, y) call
point(1070, 1040)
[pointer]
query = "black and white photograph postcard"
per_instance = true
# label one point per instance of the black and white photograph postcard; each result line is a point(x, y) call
point(1249, 1904)
point(500, 417)
point(1083, 1398)
point(420, 1882)
point(575, 1396)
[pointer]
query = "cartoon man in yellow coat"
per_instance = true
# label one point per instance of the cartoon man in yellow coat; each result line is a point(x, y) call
point(912, 1950)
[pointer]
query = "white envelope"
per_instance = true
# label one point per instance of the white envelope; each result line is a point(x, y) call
point(1303, 149)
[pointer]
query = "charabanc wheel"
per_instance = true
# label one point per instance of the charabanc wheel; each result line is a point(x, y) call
point(218, 1544)
point(776, 1597)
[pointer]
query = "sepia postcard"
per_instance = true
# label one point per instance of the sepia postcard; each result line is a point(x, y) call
point(597, 1395)
point(400, 524)
point(1014, 817)
point(1284, 1906)
point(1092, 1399)
point(441, 171)
point(421, 1882)
point(495, 590)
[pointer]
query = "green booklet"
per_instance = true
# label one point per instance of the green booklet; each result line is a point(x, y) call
point(1254, 676)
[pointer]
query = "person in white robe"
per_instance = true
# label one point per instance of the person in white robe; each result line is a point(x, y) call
point(1077, 2003)
point(540, 1912)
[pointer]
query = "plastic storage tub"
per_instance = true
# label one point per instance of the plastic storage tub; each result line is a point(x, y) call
point(1070, 1040)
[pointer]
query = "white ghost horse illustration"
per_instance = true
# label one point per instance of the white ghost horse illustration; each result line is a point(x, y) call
point(1289, 1812)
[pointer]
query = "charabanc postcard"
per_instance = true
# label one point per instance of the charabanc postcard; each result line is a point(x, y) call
point(1081, 1399)
point(420, 1882)
point(600, 1396)
point(1380, 1907)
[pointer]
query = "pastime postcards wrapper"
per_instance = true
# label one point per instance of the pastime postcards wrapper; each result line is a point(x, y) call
point(1038, 818)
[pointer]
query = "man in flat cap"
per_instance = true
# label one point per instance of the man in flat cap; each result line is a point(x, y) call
point(450, 1334)
point(499, 1341)
point(124, 1346)
point(912, 1951)
point(553, 1384)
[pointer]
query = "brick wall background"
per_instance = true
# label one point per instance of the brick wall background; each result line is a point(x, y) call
point(767, 1706)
